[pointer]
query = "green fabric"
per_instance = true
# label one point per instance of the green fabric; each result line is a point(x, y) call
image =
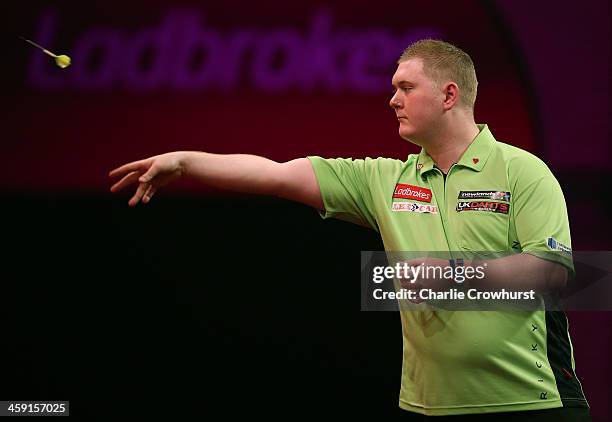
point(462, 362)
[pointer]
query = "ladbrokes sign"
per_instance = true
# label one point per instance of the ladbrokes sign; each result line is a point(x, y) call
point(185, 52)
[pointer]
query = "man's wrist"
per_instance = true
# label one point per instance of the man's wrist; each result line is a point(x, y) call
point(185, 161)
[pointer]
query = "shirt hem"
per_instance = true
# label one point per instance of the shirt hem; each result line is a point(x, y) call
point(489, 408)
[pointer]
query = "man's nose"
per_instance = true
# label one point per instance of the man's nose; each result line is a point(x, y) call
point(394, 102)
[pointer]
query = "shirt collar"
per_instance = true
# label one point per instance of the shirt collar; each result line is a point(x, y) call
point(474, 157)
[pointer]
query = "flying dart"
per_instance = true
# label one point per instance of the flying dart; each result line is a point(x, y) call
point(61, 60)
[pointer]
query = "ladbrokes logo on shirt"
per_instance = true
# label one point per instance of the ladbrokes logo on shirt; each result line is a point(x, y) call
point(412, 192)
point(497, 207)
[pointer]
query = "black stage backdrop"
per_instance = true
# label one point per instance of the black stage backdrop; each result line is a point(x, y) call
point(194, 305)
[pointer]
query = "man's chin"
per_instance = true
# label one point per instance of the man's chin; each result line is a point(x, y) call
point(408, 136)
point(403, 133)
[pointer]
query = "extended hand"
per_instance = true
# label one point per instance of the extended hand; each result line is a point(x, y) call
point(150, 173)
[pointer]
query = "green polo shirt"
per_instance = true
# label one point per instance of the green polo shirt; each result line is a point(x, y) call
point(496, 199)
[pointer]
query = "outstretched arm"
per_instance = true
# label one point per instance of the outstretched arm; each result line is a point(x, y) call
point(294, 180)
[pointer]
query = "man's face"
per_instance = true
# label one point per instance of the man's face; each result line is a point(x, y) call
point(417, 102)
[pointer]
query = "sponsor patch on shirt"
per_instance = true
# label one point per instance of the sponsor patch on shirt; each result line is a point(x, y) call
point(414, 207)
point(416, 193)
point(497, 207)
point(555, 245)
point(484, 194)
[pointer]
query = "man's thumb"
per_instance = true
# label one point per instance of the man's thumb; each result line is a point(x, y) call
point(147, 176)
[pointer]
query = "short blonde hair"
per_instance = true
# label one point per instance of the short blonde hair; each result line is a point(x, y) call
point(442, 62)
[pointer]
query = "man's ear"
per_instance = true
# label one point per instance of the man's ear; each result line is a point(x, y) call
point(451, 95)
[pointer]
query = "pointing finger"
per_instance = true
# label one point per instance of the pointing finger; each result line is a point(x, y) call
point(129, 167)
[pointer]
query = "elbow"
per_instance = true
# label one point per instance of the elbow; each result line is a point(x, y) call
point(545, 276)
point(556, 277)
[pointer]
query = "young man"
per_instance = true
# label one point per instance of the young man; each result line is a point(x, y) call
point(464, 192)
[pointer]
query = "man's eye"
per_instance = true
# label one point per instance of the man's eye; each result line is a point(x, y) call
point(403, 88)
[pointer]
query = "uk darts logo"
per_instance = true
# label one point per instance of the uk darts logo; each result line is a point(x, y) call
point(496, 207)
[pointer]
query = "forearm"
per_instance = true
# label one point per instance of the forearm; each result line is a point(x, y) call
point(235, 172)
point(520, 272)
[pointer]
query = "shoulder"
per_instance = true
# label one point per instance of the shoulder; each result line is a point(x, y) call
point(521, 164)
point(385, 163)
point(370, 165)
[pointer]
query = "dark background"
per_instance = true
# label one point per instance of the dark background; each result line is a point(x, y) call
point(202, 301)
